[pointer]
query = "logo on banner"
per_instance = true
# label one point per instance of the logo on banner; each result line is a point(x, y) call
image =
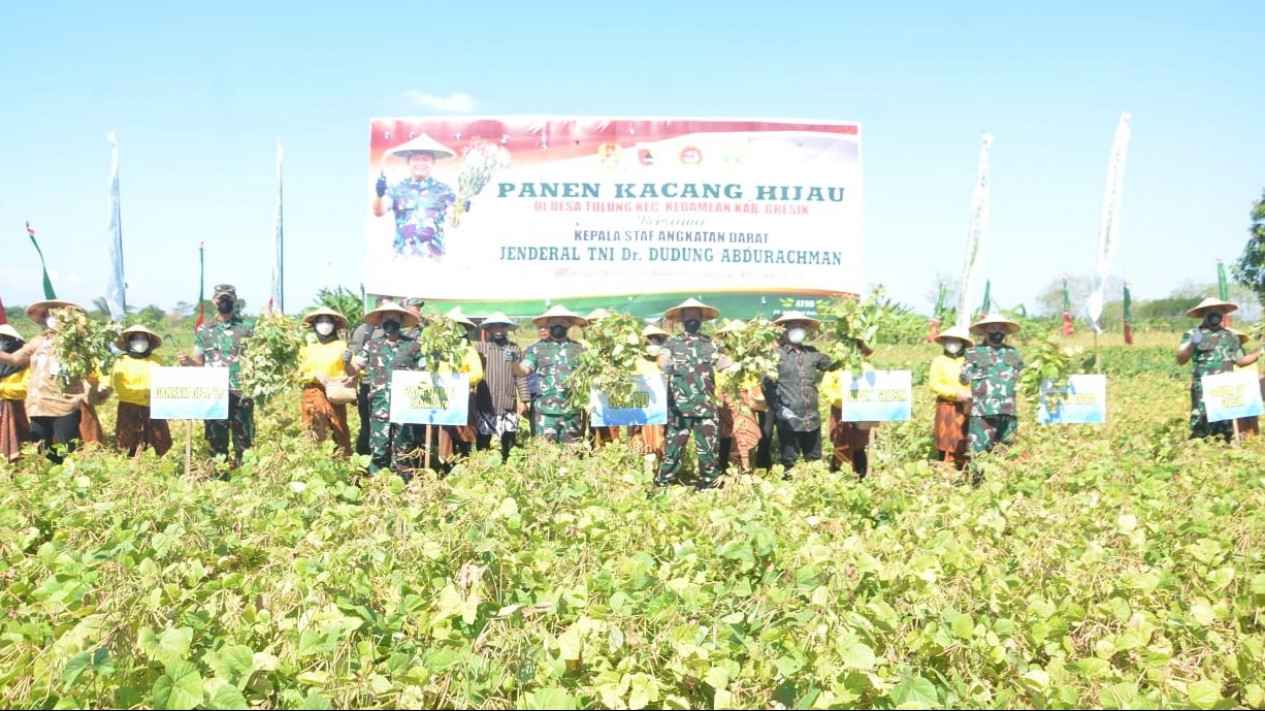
point(877, 396)
point(1083, 401)
point(1229, 396)
point(188, 393)
point(691, 155)
point(420, 397)
point(646, 405)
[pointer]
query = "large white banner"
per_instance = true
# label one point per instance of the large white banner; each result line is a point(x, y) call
point(524, 209)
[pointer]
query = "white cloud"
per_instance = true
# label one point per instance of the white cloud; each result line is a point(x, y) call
point(456, 102)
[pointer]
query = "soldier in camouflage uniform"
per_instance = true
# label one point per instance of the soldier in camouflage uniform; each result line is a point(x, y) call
point(555, 420)
point(689, 361)
point(420, 202)
point(1214, 350)
point(391, 446)
point(992, 370)
point(219, 344)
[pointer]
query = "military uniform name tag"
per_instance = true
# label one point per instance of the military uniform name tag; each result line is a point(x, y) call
point(877, 396)
point(1229, 396)
point(188, 393)
point(1082, 402)
point(419, 397)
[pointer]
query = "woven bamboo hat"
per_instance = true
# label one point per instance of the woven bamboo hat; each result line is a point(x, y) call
point(38, 311)
point(390, 308)
point(340, 321)
point(423, 144)
point(991, 319)
point(1211, 304)
point(674, 313)
point(155, 340)
point(560, 311)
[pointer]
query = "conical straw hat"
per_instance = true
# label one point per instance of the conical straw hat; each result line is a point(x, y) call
point(560, 311)
point(793, 316)
point(38, 311)
point(960, 334)
point(407, 319)
point(423, 144)
point(674, 313)
point(990, 319)
point(340, 321)
point(155, 340)
point(1210, 304)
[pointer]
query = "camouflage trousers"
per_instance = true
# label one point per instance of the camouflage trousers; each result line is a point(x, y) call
point(240, 423)
point(391, 446)
point(558, 428)
point(1200, 427)
point(987, 431)
point(706, 431)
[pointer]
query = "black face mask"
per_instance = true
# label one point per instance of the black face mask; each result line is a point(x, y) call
point(499, 339)
point(692, 325)
point(1212, 319)
point(391, 326)
point(558, 332)
point(8, 345)
point(996, 337)
point(224, 306)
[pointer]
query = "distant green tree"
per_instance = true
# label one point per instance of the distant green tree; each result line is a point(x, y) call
point(1249, 270)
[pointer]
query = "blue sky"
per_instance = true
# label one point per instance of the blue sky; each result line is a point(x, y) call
point(198, 93)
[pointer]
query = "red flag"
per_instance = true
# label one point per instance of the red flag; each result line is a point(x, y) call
point(4, 317)
point(1128, 333)
point(1067, 324)
point(933, 330)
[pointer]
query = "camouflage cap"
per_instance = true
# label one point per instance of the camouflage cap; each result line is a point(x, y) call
point(221, 289)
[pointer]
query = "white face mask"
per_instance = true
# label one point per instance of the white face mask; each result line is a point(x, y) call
point(51, 323)
point(653, 350)
point(953, 347)
point(324, 328)
point(139, 345)
point(796, 335)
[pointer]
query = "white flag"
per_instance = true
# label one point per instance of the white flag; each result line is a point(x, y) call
point(1109, 229)
point(975, 239)
point(277, 302)
point(115, 293)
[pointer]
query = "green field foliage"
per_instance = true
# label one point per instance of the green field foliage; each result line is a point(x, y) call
point(1117, 566)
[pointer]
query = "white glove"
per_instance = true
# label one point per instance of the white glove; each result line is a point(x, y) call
point(1196, 336)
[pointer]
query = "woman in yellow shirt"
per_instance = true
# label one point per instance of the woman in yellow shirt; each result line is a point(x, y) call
point(1248, 427)
point(953, 400)
point(736, 418)
point(134, 430)
point(321, 361)
point(14, 427)
point(849, 441)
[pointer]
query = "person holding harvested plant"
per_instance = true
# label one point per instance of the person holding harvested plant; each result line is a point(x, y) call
point(992, 371)
point(54, 407)
point(689, 360)
point(849, 441)
point(14, 427)
point(739, 426)
point(321, 370)
point(648, 440)
point(391, 446)
point(220, 343)
point(460, 439)
point(134, 429)
point(501, 397)
point(795, 397)
point(601, 435)
point(1214, 350)
point(953, 399)
point(556, 420)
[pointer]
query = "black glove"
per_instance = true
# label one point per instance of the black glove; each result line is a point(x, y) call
point(381, 185)
point(510, 355)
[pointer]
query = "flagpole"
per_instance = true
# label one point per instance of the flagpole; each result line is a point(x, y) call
point(278, 232)
point(116, 291)
point(975, 236)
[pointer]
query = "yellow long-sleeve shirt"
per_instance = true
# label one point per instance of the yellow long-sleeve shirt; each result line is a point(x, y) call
point(944, 380)
point(318, 358)
point(13, 386)
point(832, 385)
point(130, 378)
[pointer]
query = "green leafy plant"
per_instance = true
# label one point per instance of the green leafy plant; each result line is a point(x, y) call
point(852, 320)
point(83, 344)
point(1049, 360)
point(752, 352)
point(271, 356)
point(612, 347)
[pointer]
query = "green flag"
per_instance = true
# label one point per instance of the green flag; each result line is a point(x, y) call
point(201, 284)
point(48, 284)
point(1222, 286)
point(987, 306)
point(1067, 298)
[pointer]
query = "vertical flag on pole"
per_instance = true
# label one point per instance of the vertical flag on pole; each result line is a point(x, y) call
point(975, 238)
point(1223, 290)
point(1108, 230)
point(1128, 317)
point(987, 306)
point(4, 317)
point(1068, 329)
point(277, 302)
point(933, 330)
point(116, 290)
point(48, 284)
point(201, 285)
